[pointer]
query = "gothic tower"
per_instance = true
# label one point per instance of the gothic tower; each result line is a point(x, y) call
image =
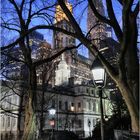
point(61, 20)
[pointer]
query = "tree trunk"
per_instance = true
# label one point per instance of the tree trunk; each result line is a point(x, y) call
point(20, 115)
point(42, 110)
point(30, 108)
point(131, 105)
point(30, 122)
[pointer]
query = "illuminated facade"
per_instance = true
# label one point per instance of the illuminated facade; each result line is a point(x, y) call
point(61, 20)
point(59, 14)
point(77, 109)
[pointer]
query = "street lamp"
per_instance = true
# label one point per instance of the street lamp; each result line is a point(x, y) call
point(99, 79)
point(52, 112)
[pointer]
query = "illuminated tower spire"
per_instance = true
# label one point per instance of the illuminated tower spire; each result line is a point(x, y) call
point(59, 14)
point(61, 20)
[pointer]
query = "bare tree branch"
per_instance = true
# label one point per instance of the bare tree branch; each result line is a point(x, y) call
point(113, 20)
point(35, 28)
point(40, 62)
point(96, 13)
point(136, 10)
point(71, 18)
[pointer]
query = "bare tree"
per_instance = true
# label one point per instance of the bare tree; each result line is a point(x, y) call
point(23, 14)
point(127, 76)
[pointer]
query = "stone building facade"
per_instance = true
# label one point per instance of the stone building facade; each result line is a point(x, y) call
point(77, 109)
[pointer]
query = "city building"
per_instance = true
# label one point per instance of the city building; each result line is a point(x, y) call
point(71, 93)
point(101, 35)
point(77, 108)
point(9, 112)
point(78, 65)
point(74, 97)
point(95, 28)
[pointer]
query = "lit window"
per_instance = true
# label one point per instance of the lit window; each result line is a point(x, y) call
point(72, 106)
point(79, 106)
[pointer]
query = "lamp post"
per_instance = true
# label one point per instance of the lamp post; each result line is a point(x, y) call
point(99, 79)
point(52, 113)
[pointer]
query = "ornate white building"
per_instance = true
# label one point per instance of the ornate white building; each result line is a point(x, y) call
point(9, 112)
point(77, 109)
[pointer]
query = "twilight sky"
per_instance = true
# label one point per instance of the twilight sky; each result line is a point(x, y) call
point(80, 14)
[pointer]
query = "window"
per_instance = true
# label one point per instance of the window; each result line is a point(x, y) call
point(87, 90)
point(94, 122)
point(8, 121)
point(13, 122)
point(94, 105)
point(3, 121)
point(92, 91)
point(89, 105)
point(88, 122)
point(72, 123)
point(66, 105)
point(9, 102)
point(15, 99)
point(60, 104)
point(60, 122)
point(80, 123)
point(72, 106)
point(79, 105)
